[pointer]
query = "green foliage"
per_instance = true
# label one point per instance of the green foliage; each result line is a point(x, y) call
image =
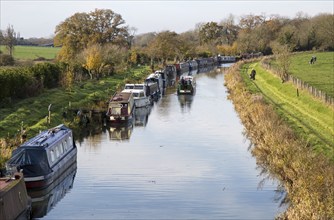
point(22, 82)
point(47, 73)
point(6, 60)
point(15, 83)
point(33, 111)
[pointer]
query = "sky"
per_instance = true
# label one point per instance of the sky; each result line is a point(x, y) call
point(40, 17)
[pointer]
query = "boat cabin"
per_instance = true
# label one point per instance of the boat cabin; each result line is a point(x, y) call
point(45, 157)
point(120, 108)
point(187, 85)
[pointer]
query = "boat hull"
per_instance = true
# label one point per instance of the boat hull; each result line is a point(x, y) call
point(142, 102)
point(44, 181)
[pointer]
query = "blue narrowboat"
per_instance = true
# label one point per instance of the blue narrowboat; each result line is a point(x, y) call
point(45, 157)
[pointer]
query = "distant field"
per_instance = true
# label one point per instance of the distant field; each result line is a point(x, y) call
point(33, 52)
point(320, 75)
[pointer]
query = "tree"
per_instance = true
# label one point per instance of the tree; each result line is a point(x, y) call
point(288, 36)
point(93, 57)
point(9, 39)
point(282, 54)
point(249, 22)
point(324, 31)
point(83, 29)
point(211, 33)
point(230, 30)
point(165, 46)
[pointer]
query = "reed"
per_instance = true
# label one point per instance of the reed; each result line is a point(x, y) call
point(308, 177)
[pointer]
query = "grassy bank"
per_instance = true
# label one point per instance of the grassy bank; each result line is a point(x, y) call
point(33, 52)
point(32, 113)
point(308, 177)
point(312, 120)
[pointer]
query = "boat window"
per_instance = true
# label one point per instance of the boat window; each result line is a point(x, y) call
point(65, 145)
point(61, 147)
point(52, 153)
point(57, 151)
point(139, 87)
point(69, 144)
point(115, 110)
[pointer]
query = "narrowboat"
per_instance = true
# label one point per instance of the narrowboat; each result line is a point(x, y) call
point(187, 85)
point(162, 77)
point(193, 65)
point(156, 77)
point(182, 67)
point(14, 200)
point(139, 95)
point(45, 157)
point(120, 108)
point(152, 87)
point(170, 71)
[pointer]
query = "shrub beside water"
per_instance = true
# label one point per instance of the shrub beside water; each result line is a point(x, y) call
point(307, 177)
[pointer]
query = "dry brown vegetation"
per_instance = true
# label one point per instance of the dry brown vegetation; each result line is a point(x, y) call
point(307, 177)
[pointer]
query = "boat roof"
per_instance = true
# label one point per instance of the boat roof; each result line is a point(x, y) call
point(133, 90)
point(48, 137)
point(6, 182)
point(123, 96)
point(187, 77)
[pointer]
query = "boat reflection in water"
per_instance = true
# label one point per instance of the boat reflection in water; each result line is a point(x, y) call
point(44, 200)
point(185, 101)
point(120, 132)
point(141, 116)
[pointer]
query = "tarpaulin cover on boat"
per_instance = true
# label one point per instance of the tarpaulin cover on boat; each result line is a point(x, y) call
point(33, 161)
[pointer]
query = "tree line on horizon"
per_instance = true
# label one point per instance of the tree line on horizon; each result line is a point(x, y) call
point(100, 43)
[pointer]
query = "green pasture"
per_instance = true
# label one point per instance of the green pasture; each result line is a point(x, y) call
point(309, 117)
point(319, 75)
point(32, 52)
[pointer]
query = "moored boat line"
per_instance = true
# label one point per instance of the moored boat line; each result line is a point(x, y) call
point(120, 108)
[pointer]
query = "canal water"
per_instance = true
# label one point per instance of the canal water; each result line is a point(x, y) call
point(184, 158)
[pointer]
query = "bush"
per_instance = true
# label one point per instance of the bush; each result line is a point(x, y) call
point(6, 60)
point(14, 82)
point(47, 73)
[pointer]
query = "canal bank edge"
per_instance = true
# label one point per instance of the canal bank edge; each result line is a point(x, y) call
point(307, 177)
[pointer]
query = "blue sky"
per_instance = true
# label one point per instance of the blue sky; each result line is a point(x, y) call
point(39, 18)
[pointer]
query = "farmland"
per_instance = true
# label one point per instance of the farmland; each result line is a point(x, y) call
point(33, 52)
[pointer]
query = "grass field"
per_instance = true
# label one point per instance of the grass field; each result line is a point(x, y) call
point(310, 118)
point(33, 52)
point(319, 75)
